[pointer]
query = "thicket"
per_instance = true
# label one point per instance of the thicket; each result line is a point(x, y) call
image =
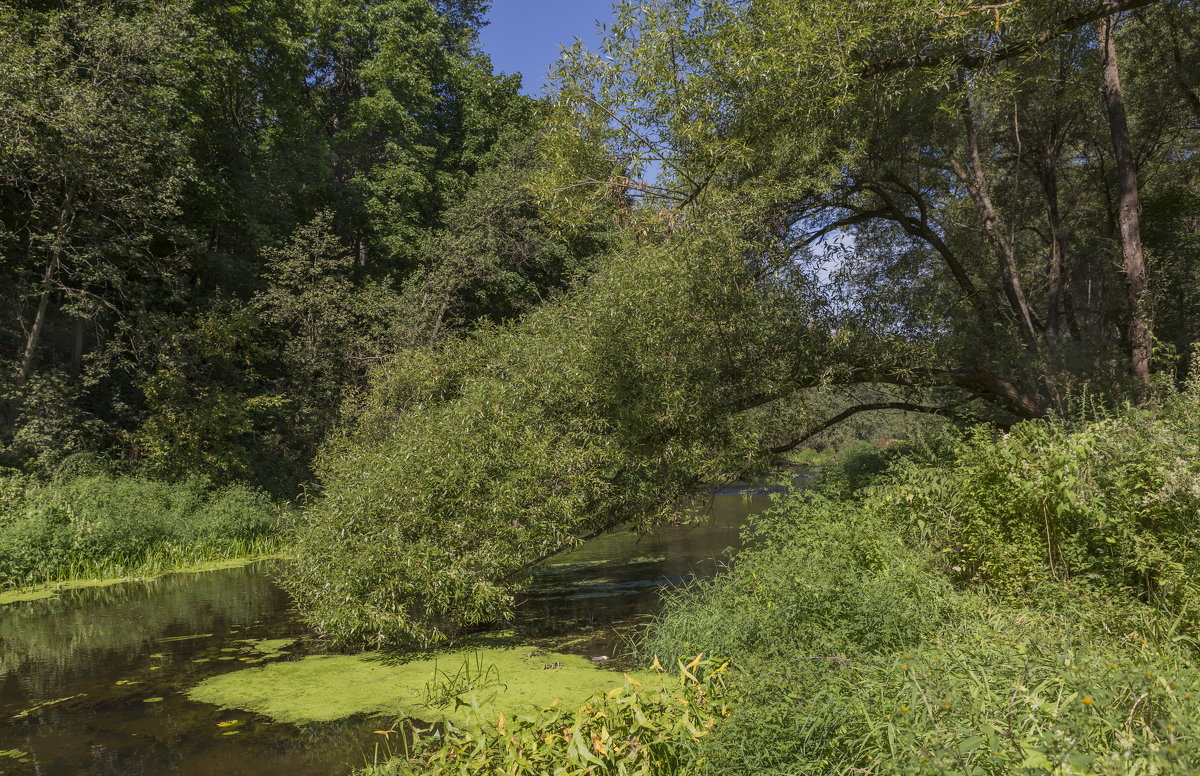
point(468, 464)
point(992, 604)
point(91, 523)
point(632, 730)
point(215, 216)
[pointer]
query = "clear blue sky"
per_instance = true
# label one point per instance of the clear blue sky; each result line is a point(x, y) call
point(524, 36)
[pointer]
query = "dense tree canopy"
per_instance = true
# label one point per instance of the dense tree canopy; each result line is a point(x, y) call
point(212, 213)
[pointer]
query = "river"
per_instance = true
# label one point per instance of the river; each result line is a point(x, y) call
point(112, 664)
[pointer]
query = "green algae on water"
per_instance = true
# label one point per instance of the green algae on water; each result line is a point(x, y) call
point(34, 709)
point(265, 649)
point(449, 687)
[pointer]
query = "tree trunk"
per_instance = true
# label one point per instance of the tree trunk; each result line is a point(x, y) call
point(77, 350)
point(65, 217)
point(39, 322)
point(976, 183)
point(1128, 213)
point(1060, 303)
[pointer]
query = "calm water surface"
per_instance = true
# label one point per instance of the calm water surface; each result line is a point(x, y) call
point(119, 659)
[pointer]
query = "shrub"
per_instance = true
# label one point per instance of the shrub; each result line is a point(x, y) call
point(1015, 693)
point(633, 730)
point(1067, 645)
point(817, 583)
point(1110, 505)
point(469, 464)
point(91, 524)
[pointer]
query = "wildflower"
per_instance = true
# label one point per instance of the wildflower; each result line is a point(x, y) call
point(1087, 701)
point(903, 668)
point(904, 709)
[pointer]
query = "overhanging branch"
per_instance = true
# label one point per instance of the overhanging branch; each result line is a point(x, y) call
point(945, 412)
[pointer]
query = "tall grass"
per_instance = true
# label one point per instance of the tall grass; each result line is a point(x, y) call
point(100, 525)
point(1017, 603)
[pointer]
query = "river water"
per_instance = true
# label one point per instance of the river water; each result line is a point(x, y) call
point(113, 664)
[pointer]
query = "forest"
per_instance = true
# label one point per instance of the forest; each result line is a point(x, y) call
point(311, 279)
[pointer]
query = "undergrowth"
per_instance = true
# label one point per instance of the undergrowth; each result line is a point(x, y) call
point(100, 525)
point(633, 730)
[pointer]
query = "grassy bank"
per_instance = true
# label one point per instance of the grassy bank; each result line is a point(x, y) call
point(103, 526)
point(989, 603)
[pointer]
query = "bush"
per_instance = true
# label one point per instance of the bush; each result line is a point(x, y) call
point(471, 463)
point(65, 528)
point(634, 730)
point(817, 583)
point(1012, 693)
point(1108, 505)
point(1015, 603)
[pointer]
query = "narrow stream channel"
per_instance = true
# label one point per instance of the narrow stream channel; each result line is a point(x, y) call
point(113, 663)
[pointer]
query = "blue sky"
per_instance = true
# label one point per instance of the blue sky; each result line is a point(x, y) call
point(524, 36)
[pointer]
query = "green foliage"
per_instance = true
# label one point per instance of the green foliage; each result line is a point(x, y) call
point(496, 256)
point(1007, 692)
point(102, 525)
point(859, 656)
point(204, 407)
point(633, 730)
point(207, 205)
point(1108, 504)
point(468, 464)
point(816, 583)
point(51, 423)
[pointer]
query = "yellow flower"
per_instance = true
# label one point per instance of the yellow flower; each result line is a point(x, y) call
point(1087, 701)
point(904, 709)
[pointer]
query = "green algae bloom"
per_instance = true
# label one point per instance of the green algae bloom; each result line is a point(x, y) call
point(455, 687)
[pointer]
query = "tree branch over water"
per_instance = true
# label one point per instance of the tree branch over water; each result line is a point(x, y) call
point(849, 412)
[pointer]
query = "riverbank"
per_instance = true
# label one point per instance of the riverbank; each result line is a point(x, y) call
point(99, 529)
point(190, 560)
point(113, 650)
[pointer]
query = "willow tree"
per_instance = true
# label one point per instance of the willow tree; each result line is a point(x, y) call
point(916, 194)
